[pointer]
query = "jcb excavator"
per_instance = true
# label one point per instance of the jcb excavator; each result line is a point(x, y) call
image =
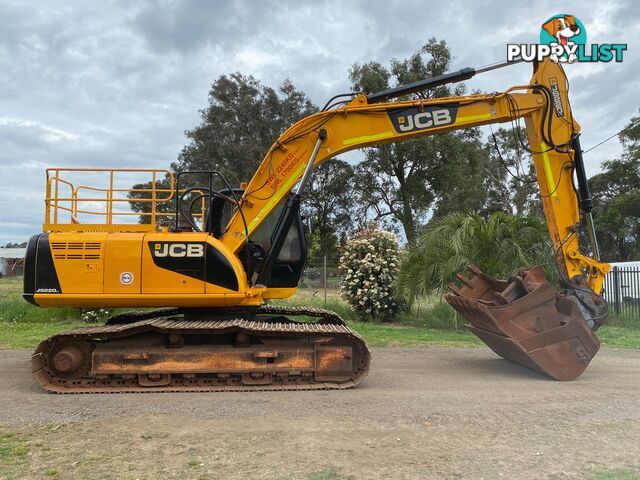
point(223, 253)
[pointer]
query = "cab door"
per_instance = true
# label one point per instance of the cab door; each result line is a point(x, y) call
point(290, 263)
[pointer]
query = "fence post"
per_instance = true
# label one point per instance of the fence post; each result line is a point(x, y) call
point(616, 290)
point(324, 274)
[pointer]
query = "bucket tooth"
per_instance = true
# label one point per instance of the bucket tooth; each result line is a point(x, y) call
point(527, 321)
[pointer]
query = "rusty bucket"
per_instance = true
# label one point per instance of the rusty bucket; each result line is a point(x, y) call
point(526, 320)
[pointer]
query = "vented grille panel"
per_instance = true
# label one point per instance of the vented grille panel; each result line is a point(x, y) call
point(76, 250)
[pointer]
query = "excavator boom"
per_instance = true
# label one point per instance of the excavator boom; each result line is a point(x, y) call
point(552, 132)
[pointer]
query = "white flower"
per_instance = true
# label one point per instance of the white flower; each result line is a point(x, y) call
point(368, 265)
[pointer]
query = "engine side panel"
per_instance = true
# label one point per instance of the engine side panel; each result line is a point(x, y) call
point(134, 270)
point(122, 266)
point(78, 260)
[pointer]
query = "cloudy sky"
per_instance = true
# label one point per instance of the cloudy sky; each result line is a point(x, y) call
point(116, 83)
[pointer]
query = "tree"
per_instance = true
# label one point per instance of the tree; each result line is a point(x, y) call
point(499, 245)
point(616, 198)
point(457, 176)
point(327, 202)
point(399, 183)
point(510, 174)
point(142, 191)
point(243, 119)
point(15, 245)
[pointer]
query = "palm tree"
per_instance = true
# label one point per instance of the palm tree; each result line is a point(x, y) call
point(498, 245)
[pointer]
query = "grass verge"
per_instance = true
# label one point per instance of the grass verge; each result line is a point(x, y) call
point(377, 335)
point(431, 324)
point(28, 335)
point(616, 474)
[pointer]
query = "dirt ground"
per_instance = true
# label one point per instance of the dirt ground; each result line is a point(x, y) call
point(421, 413)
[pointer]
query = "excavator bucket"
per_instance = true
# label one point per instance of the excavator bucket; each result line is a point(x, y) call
point(526, 320)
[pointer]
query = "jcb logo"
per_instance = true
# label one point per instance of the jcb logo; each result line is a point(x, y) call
point(411, 119)
point(177, 250)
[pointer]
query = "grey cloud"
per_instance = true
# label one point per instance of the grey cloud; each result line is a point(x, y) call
point(189, 25)
point(116, 83)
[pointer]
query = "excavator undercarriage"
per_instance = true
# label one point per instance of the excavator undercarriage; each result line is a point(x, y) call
point(173, 351)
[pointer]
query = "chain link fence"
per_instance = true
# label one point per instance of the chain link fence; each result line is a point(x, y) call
point(11, 267)
point(320, 278)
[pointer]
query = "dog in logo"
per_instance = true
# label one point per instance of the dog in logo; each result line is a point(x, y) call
point(563, 29)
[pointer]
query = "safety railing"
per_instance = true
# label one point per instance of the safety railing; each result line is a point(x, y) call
point(85, 202)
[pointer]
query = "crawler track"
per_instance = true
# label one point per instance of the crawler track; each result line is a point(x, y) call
point(171, 351)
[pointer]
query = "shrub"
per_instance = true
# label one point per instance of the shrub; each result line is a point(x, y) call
point(369, 267)
point(498, 245)
point(96, 315)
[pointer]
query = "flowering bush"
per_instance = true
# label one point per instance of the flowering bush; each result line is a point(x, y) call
point(369, 268)
point(95, 315)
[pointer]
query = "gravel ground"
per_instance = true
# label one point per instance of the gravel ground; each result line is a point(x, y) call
point(421, 413)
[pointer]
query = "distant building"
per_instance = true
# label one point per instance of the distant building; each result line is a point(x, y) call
point(12, 262)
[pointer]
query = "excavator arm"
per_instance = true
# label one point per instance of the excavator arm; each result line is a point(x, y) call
point(524, 319)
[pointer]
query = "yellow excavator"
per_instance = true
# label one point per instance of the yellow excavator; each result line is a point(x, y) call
point(208, 258)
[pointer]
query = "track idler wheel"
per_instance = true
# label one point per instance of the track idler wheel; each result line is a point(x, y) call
point(526, 320)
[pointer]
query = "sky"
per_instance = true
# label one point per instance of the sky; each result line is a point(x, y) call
point(116, 83)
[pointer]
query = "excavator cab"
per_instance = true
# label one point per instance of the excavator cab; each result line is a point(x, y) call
point(222, 205)
point(221, 210)
point(289, 264)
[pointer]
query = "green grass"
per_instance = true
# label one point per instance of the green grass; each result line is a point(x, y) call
point(429, 323)
point(28, 335)
point(14, 309)
point(381, 335)
point(329, 474)
point(621, 331)
point(10, 286)
point(14, 449)
point(623, 337)
point(616, 474)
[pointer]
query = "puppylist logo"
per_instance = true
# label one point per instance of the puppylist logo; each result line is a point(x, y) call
point(563, 38)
